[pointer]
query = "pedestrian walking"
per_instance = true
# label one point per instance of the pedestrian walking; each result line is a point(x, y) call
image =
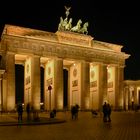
point(73, 112)
point(28, 110)
point(108, 112)
point(20, 112)
point(54, 111)
point(105, 112)
point(77, 110)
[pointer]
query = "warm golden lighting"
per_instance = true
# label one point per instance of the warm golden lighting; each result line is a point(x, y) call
point(89, 81)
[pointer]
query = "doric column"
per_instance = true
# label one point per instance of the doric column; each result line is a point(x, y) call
point(129, 98)
point(117, 90)
point(135, 96)
point(4, 93)
point(0, 94)
point(35, 81)
point(58, 83)
point(85, 85)
point(102, 84)
point(10, 74)
point(120, 96)
point(1, 89)
point(126, 97)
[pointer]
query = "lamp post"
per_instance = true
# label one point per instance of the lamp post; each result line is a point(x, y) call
point(50, 88)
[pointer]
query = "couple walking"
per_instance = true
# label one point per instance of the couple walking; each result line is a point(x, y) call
point(106, 112)
point(74, 111)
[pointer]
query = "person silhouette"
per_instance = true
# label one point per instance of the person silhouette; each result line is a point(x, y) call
point(28, 110)
point(20, 112)
point(105, 113)
point(108, 112)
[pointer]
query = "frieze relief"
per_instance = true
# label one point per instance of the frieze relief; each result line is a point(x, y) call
point(61, 50)
point(64, 52)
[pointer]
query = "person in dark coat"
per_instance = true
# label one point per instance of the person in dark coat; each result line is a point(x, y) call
point(54, 111)
point(20, 112)
point(108, 112)
point(105, 113)
point(77, 110)
point(73, 112)
point(28, 110)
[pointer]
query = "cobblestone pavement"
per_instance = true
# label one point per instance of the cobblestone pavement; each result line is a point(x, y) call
point(11, 119)
point(124, 126)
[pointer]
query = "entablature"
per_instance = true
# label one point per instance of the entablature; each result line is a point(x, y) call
point(47, 48)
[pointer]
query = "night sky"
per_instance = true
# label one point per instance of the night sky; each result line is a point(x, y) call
point(113, 22)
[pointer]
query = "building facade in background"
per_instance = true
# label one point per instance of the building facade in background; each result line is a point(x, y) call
point(132, 95)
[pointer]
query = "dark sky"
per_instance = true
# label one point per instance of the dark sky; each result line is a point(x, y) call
point(113, 22)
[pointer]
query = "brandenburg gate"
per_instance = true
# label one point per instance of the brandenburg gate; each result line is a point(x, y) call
point(95, 68)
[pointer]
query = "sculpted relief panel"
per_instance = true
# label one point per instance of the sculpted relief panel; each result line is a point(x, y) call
point(42, 48)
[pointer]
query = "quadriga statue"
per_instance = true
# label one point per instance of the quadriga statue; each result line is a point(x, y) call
point(84, 28)
point(77, 27)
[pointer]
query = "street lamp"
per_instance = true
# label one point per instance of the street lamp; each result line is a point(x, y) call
point(50, 88)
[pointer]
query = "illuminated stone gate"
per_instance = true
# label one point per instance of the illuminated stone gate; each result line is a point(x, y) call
point(95, 68)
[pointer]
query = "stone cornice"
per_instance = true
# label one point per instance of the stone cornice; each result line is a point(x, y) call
point(132, 82)
point(53, 49)
point(107, 46)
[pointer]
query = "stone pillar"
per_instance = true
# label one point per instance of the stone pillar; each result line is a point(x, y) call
point(10, 74)
point(120, 96)
point(58, 84)
point(126, 97)
point(0, 94)
point(102, 86)
point(35, 82)
point(129, 98)
point(117, 90)
point(4, 83)
point(85, 85)
point(68, 98)
point(1, 89)
point(4, 93)
point(135, 96)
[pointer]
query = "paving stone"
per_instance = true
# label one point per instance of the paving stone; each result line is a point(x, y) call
point(124, 126)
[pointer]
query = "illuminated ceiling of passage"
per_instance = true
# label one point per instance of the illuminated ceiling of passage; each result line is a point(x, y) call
point(19, 59)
